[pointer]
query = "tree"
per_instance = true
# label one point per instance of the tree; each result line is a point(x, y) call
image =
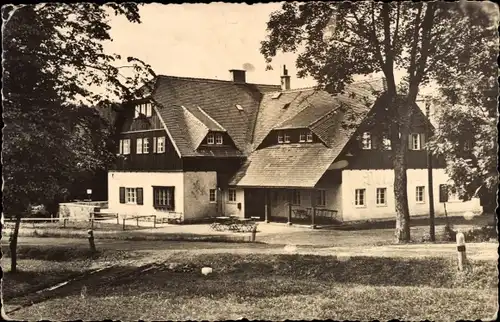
point(53, 53)
point(338, 40)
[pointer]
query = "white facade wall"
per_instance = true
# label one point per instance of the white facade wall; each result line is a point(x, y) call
point(230, 208)
point(197, 187)
point(145, 180)
point(373, 179)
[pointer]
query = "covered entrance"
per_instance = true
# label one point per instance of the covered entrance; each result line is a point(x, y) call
point(255, 203)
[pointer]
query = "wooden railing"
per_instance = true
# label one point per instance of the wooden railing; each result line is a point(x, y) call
point(321, 215)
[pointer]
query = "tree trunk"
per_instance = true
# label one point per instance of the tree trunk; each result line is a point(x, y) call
point(402, 232)
point(13, 245)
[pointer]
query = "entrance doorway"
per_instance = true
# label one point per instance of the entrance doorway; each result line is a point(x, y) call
point(255, 202)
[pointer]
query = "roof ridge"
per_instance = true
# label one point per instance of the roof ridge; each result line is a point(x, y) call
point(211, 118)
point(213, 80)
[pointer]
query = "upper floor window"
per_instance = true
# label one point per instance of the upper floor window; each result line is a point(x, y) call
point(145, 145)
point(210, 138)
point(125, 146)
point(287, 138)
point(366, 141)
point(415, 142)
point(218, 138)
point(309, 136)
point(302, 137)
point(280, 137)
point(386, 142)
point(160, 144)
point(144, 109)
point(139, 146)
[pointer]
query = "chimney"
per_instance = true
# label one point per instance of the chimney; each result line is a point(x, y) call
point(238, 75)
point(285, 79)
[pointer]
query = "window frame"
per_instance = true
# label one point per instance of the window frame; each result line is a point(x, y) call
point(280, 138)
point(131, 196)
point(286, 138)
point(320, 198)
point(296, 198)
point(419, 142)
point(378, 196)
point(160, 142)
point(417, 200)
point(217, 137)
point(357, 197)
point(230, 193)
point(210, 139)
point(366, 141)
point(302, 137)
point(145, 145)
point(139, 144)
point(164, 198)
point(386, 143)
point(127, 146)
point(309, 137)
point(212, 192)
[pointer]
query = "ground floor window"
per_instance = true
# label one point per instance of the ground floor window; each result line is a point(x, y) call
point(381, 196)
point(321, 198)
point(419, 191)
point(212, 195)
point(163, 198)
point(231, 195)
point(296, 197)
point(131, 195)
point(360, 197)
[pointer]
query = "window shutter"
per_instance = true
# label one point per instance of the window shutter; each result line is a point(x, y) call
point(172, 199)
point(154, 144)
point(422, 140)
point(410, 145)
point(155, 199)
point(121, 147)
point(139, 196)
point(122, 194)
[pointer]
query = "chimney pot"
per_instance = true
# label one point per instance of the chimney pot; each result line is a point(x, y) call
point(238, 75)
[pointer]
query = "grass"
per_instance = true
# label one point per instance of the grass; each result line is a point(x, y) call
point(278, 287)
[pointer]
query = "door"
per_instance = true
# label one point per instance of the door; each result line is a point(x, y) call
point(255, 201)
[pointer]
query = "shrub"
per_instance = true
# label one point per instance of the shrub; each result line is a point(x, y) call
point(481, 234)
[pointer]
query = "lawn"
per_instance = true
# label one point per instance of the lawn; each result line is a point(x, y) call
point(275, 287)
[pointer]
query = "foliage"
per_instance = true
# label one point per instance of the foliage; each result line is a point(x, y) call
point(339, 40)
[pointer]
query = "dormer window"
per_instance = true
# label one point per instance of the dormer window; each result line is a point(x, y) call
point(210, 138)
point(145, 109)
point(309, 136)
point(287, 138)
point(280, 137)
point(218, 138)
point(366, 141)
point(386, 143)
point(302, 137)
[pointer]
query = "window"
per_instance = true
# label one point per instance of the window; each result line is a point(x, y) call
point(415, 141)
point(386, 142)
point(302, 137)
point(144, 109)
point(420, 198)
point(212, 194)
point(163, 198)
point(296, 197)
point(125, 146)
point(139, 146)
point(280, 137)
point(366, 141)
point(131, 195)
point(321, 198)
point(359, 197)
point(160, 144)
point(287, 138)
point(381, 196)
point(309, 137)
point(218, 138)
point(231, 196)
point(210, 138)
point(145, 145)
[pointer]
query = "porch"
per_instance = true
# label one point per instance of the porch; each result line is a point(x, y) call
point(294, 206)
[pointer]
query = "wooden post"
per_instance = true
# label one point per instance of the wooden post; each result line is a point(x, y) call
point(124, 223)
point(266, 206)
point(64, 222)
point(254, 231)
point(91, 241)
point(313, 225)
point(462, 257)
point(289, 211)
point(117, 220)
point(154, 221)
point(137, 218)
point(432, 225)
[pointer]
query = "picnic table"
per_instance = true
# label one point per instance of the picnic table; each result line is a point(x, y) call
point(233, 223)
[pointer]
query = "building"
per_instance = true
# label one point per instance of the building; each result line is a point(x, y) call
point(196, 148)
